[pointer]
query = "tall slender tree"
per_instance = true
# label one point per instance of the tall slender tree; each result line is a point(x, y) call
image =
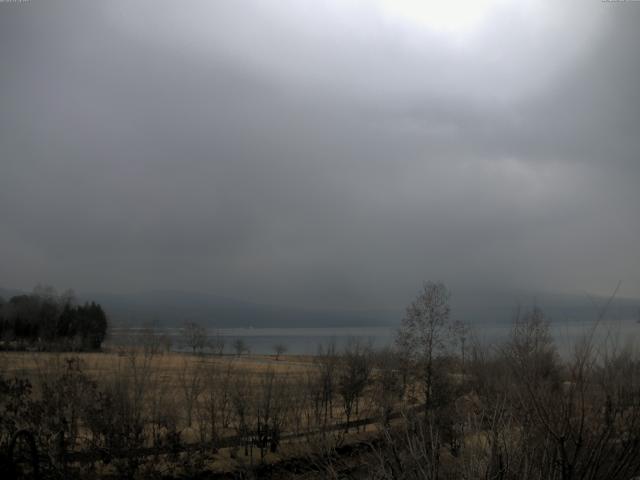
point(424, 332)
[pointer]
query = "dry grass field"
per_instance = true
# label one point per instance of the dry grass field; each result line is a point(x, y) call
point(236, 411)
point(168, 365)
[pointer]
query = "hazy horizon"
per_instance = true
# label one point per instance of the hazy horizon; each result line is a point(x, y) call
point(320, 154)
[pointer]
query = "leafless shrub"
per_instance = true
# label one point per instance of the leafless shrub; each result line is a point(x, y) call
point(191, 385)
point(242, 403)
point(117, 416)
point(215, 409)
point(324, 386)
point(279, 349)
point(240, 346)
point(354, 376)
point(388, 385)
point(270, 411)
point(195, 336)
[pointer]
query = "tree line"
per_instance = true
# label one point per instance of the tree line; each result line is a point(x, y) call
point(49, 320)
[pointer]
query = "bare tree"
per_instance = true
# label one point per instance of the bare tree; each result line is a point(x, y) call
point(461, 332)
point(240, 346)
point(270, 411)
point(191, 383)
point(122, 414)
point(531, 347)
point(326, 360)
point(215, 410)
point(195, 336)
point(354, 377)
point(424, 330)
point(279, 349)
point(242, 404)
point(388, 385)
point(576, 419)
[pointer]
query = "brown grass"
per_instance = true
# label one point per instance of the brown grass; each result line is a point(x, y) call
point(169, 365)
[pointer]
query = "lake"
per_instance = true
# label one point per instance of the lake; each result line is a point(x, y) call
point(306, 341)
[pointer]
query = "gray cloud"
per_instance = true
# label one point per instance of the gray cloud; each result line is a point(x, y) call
point(317, 154)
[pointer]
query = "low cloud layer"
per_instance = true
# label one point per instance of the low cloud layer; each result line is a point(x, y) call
point(319, 153)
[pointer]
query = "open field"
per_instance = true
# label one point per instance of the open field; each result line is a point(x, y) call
point(169, 365)
point(176, 404)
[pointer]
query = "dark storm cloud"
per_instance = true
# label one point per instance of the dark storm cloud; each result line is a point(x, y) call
point(313, 153)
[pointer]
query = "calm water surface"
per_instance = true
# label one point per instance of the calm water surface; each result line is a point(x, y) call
point(304, 341)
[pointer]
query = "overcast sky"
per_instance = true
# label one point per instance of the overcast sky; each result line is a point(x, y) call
point(309, 152)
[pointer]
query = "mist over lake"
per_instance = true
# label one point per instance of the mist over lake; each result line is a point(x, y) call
point(622, 333)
